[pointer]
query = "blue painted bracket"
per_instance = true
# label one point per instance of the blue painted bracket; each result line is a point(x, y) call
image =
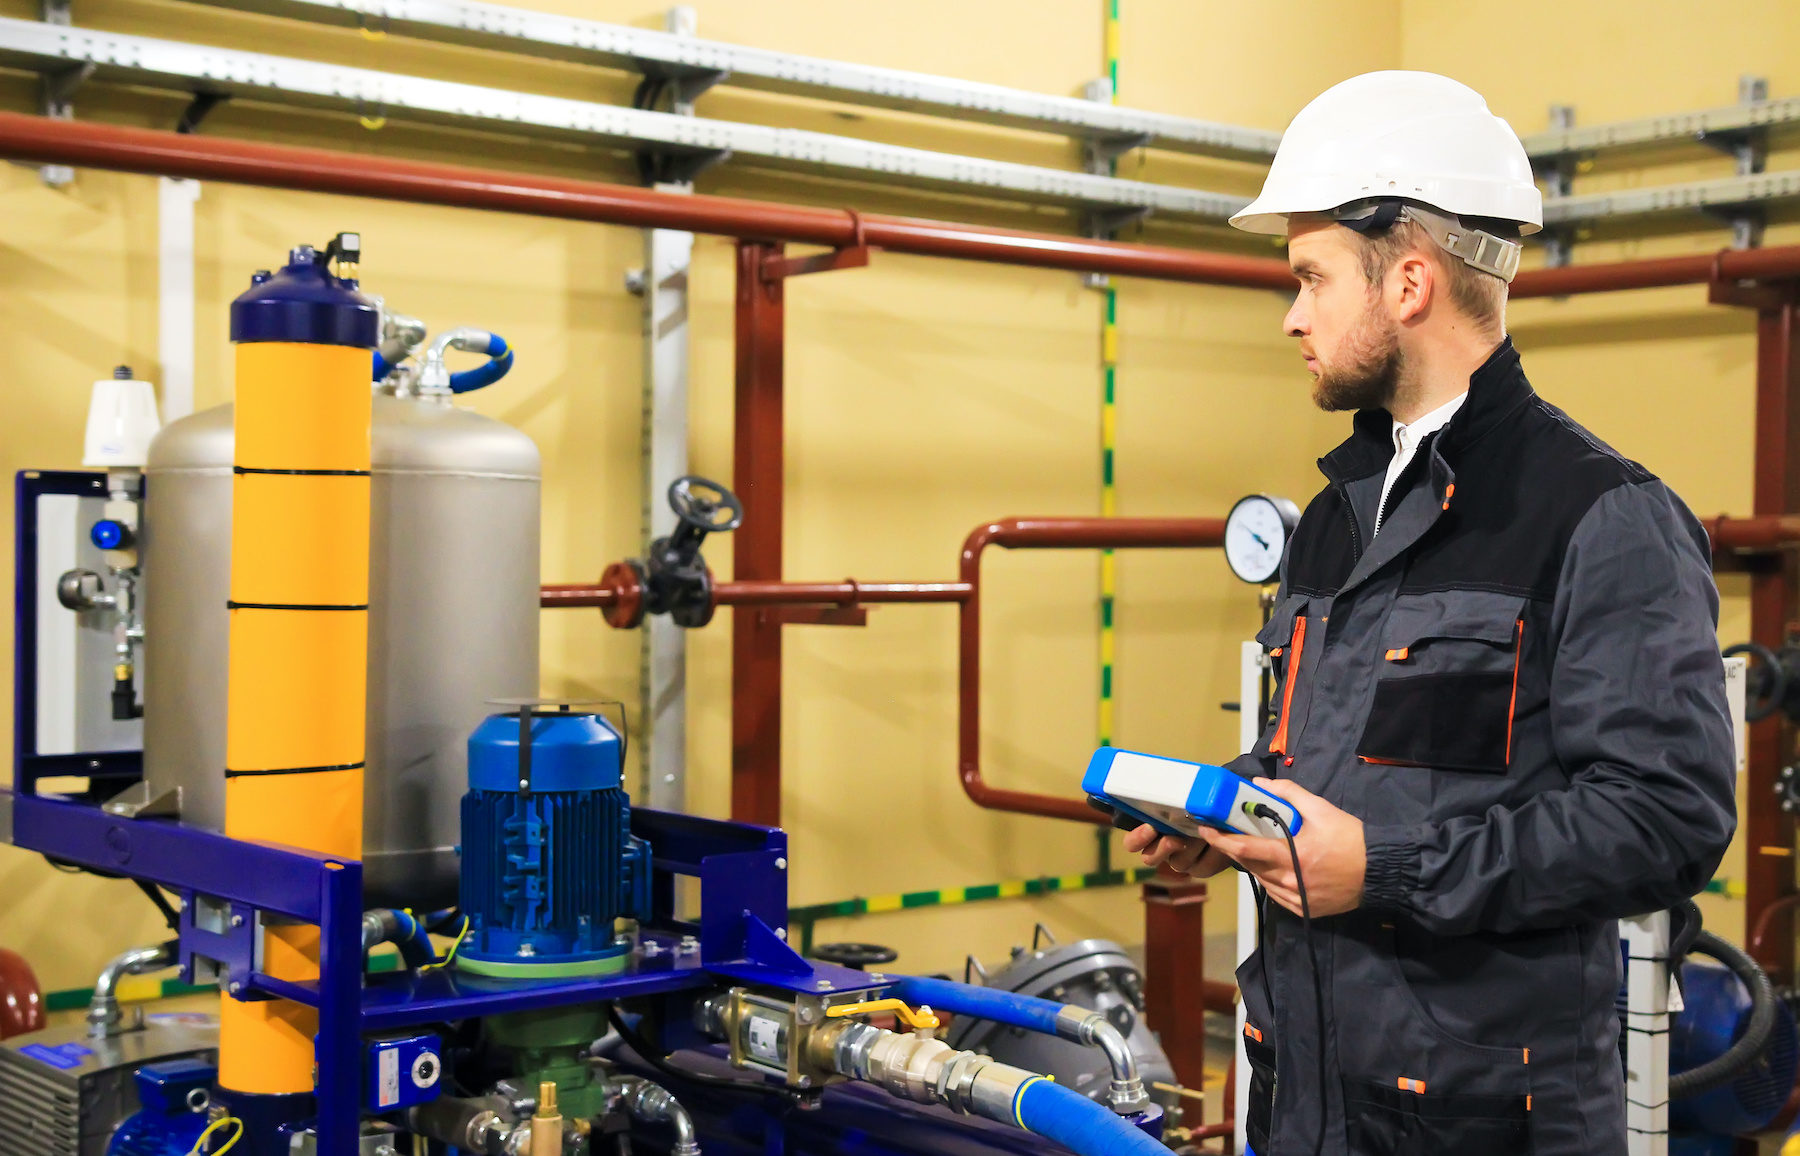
point(303, 886)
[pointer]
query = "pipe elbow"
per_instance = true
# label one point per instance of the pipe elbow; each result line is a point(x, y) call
point(104, 1016)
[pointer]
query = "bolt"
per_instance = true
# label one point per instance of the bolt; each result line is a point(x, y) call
point(781, 864)
point(636, 282)
point(524, 784)
point(781, 933)
point(236, 987)
point(823, 984)
point(689, 945)
point(237, 920)
point(804, 1081)
point(808, 1015)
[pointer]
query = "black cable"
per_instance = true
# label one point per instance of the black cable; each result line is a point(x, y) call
point(155, 895)
point(649, 1055)
point(1264, 811)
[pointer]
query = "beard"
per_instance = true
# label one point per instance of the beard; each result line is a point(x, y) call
point(1367, 369)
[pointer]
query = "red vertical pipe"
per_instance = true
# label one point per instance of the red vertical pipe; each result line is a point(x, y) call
point(756, 546)
point(1175, 974)
point(1768, 832)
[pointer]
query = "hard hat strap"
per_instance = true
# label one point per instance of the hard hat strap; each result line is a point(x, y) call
point(1477, 248)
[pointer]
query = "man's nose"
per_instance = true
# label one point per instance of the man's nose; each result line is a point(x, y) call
point(1296, 323)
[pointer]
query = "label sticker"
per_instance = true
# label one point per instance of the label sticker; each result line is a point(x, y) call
point(65, 1057)
point(387, 1091)
point(765, 1040)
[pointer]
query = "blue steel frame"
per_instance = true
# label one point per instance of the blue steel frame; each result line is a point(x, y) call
point(743, 898)
point(109, 771)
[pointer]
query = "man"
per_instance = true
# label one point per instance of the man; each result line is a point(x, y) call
point(1502, 710)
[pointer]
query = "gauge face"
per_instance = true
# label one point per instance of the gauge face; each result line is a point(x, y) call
point(1256, 533)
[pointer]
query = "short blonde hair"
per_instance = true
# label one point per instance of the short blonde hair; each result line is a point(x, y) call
point(1479, 296)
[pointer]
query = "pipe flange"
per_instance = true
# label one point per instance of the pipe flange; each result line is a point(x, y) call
point(626, 582)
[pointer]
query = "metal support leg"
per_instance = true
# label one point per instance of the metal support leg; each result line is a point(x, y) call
point(175, 293)
point(667, 257)
point(1647, 1023)
point(337, 1048)
point(1175, 973)
point(758, 478)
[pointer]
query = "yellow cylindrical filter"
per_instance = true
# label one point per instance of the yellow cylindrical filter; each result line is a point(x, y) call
point(295, 701)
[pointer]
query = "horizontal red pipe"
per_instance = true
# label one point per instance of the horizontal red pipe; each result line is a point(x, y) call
point(104, 146)
point(776, 593)
point(1733, 265)
point(1763, 532)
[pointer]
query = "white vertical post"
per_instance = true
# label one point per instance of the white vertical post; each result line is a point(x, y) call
point(175, 293)
point(1250, 676)
point(1648, 1018)
point(668, 257)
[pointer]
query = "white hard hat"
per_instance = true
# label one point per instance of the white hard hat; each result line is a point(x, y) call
point(1412, 136)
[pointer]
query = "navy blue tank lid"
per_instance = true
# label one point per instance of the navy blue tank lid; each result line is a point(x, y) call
point(305, 303)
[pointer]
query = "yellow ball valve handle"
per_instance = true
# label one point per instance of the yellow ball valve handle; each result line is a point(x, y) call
point(922, 1019)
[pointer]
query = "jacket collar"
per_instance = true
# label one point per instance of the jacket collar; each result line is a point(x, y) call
point(1496, 391)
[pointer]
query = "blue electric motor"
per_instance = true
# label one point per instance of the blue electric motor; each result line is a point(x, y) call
point(174, 1097)
point(548, 858)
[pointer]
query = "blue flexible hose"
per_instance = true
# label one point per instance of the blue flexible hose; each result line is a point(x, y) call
point(1079, 1124)
point(382, 368)
point(1022, 1011)
point(500, 359)
point(409, 936)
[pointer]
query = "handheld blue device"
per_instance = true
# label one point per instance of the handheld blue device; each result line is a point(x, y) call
point(1178, 797)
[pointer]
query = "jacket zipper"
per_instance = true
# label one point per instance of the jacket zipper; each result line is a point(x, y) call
point(1350, 516)
point(1513, 706)
point(1279, 744)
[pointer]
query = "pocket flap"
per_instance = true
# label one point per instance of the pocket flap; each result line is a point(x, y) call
point(1481, 615)
point(1278, 632)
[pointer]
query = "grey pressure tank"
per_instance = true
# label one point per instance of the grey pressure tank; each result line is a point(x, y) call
point(453, 622)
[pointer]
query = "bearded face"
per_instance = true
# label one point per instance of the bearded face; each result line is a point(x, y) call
point(1364, 371)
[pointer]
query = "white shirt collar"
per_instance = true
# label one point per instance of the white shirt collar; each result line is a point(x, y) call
point(1437, 419)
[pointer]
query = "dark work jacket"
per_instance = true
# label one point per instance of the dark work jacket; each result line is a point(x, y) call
point(1516, 686)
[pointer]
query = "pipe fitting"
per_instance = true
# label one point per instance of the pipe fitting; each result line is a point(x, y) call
point(1126, 1092)
point(473, 1126)
point(104, 1016)
point(652, 1103)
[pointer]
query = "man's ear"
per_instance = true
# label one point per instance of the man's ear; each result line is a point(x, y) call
point(1413, 282)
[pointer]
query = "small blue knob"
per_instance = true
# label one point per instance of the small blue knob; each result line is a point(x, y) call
point(109, 534)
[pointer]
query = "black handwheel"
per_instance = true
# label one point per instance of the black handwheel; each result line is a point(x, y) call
point(705, 505)
point(1765, 685)
point(856, 955)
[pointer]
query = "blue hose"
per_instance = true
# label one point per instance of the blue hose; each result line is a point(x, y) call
point(1022, 1011)
point(1078, 1123)
point(500, 360)
point(409, 936)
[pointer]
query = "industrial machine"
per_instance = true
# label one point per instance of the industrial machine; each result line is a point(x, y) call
point(434, 917)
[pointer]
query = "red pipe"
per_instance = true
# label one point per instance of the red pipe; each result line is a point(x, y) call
point(89, 144)
point(1043, 534)
point(1762, 532)
point(1733, 265)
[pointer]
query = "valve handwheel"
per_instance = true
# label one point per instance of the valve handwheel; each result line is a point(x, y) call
point(856, 955)
point(1766, 684)
point(705, 505)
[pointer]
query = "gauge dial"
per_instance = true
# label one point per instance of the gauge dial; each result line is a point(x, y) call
point(1256, 533)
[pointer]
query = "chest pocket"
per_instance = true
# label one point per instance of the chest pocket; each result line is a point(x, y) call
point(1449, 679)
point(1284, 638)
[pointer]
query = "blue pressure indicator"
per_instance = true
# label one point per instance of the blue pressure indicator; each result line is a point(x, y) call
point(110, 534)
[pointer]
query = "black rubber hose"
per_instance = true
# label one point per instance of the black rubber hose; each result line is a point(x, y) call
point(1749, 1047)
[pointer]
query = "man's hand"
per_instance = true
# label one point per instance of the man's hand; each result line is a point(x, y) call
point(1188, 856)
point(1330, 846)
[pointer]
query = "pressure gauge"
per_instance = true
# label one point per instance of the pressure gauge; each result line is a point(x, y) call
point(1256, 533)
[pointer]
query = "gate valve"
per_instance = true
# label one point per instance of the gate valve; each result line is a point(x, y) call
point(674, 579)
point(1772, 682)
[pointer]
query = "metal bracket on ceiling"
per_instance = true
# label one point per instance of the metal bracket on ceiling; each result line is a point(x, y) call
point(198, 109)
point(1749, 147)
point(1108, 221)
point(1558, 175)
point(57, 90)
point(686, 85)
point(1099, 152)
